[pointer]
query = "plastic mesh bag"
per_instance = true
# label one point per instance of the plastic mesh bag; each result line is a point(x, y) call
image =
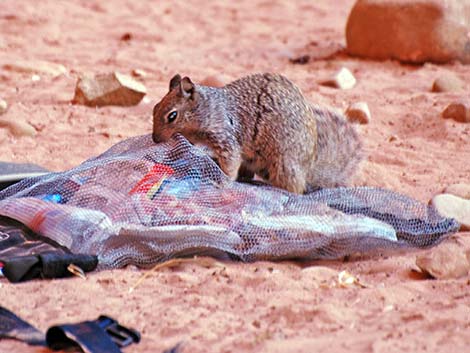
point(139, 203)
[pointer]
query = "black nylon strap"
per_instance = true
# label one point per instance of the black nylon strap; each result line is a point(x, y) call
point(103, 335)
point(11, 326)
point(45, 265)
point(98, 336)
point(87, 335)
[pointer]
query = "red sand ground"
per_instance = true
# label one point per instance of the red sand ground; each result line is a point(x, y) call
point(236, 307)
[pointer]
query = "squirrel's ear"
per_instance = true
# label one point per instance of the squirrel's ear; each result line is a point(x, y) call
point(175, 81)
point(187, 87)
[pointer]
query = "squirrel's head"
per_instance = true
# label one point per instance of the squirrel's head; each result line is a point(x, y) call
point(174, 113)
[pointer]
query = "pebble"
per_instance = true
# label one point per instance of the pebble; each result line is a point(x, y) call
point(3, 106)
point(410, 30)
point(108, 89)
point(18, 128)
point(301, 60)
point(453, 207)
point(447, 261)
point(343, 79)
point(461, 190)
point(458, 111)
point(358, 113)
point(448, 82)
point(126, 37)
point(36, 67)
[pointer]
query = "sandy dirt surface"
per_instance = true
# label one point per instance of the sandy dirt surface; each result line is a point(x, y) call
point(234, 307)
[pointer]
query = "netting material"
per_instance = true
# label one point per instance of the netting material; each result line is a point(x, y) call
point(139, 203)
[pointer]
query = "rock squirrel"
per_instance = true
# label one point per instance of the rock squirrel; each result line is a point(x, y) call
point(262, 124)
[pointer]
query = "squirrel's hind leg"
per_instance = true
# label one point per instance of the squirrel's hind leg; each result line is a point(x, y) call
point(288, 176)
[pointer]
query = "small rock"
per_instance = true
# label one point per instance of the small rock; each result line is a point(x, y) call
point(446, 261)
point(358, 113)
point(300, 60)
point(458, 111)
point(126, 37)
point(460, 190)
point(3, 106)
point(447, 83)
point(343, 79)
point(453, 207)
point(36, 67)
point(18, 128)
point(410, 30)
point(108, 89)
point(214, 81)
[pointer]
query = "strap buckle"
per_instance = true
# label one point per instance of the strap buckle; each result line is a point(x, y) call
point(120, 335)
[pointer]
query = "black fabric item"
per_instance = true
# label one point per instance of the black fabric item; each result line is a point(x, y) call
point(18, 240)
point(26, 255)
point(22, 268)
point(103, 335)
point(9, 168)
point(45, 265)
point(11, 326)
point(54, 265)
point(11, 173)
point(86, 335)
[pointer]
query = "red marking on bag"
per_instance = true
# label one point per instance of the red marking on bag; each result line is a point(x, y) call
point(155, 176)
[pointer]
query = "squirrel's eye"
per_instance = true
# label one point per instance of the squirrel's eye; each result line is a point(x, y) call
point(172, 116)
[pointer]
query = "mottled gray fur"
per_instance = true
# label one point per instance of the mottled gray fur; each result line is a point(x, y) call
point(264, 124)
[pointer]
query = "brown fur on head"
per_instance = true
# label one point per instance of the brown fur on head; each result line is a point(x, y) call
point(175, 111)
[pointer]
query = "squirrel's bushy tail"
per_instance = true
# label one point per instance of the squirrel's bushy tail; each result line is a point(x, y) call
point(339, 150)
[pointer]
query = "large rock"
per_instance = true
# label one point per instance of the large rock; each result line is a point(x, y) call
point(410, 30)
point(108, 89)
point(453, 207)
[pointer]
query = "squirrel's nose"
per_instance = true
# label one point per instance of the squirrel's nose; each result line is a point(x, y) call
point(156, 138)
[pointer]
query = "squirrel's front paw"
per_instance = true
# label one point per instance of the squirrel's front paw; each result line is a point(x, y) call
point(244, 174)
